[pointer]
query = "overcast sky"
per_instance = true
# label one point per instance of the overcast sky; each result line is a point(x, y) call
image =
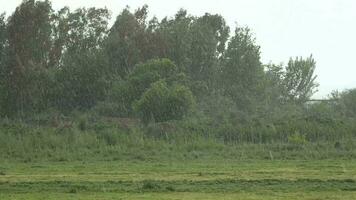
point(283, 28)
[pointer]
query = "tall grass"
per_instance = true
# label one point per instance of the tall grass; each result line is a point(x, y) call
point(86, 138)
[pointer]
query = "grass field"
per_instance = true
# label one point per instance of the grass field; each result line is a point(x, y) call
point(186, 179)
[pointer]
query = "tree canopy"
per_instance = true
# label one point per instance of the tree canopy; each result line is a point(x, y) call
point(150, 68)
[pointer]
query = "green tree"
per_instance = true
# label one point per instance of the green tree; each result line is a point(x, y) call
point(3, 36)
point(81, 30)
point(299, 79)
point(195, 44)
point(163, 103)
point(3, 45)
point(28, 32)
point(127, 41)
point(81, 65)
point(81, 82)
point(147, 73)
point(295, 83)
point(274, 84)
point(175, 38)
point(3, 39)
point(209, 35)
point(345, 102)
point(242, 71)
point(141, 78)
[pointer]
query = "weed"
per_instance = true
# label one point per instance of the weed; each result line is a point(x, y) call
point(150, 185)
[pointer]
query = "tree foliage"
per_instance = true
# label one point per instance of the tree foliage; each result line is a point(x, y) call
point(163, 103)
point(127, 41)
point(299, 80)
point(28, 32)
point(294, 83)
point(346, 102)
point(81, 30)
point(141, 79)
point(81, 81)
point(3, 36)
point(242, 70)
point(156, 69)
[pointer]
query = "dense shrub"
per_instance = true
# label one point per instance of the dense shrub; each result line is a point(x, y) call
point(162, 103)
point(126, 92)
point(347, 103)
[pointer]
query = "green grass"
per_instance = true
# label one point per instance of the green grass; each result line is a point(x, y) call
point(188, 179)
point(107, 162)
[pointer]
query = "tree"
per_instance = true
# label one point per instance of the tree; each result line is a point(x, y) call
point(127, 41)
point(209, 35)
point(3, 36)
point(81, 64)
point(300, 80)
point(150, 72)
point(274, 83)
point(163, 103)
point(40, 43)
point(81, 82)
point(195, 44)
point(345, 102)
point(141, 79)
point(28, 42)
point(81, 30)
point(3, 41)
point(3, 44)
point(176, 39)
point(295, 83)
point(29, 33)
point(242, 71)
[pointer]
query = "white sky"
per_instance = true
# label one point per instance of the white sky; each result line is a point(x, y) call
point(284, 28)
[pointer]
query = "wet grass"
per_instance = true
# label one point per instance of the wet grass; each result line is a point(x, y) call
point(190, 179)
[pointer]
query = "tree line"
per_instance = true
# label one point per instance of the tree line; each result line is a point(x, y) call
point(155, 70)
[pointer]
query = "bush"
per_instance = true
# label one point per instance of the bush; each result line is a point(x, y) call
point(163, 103)
point(125, 92)
point(111, 109)
point(297, 139)
point(150, 185)
point(347, 103)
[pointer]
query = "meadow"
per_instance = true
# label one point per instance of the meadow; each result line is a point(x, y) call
point(186, 179)
point(104, 160)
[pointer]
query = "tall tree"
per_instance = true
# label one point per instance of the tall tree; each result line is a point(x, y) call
point(142, 77)
point(78, 54)
point(127, 42)
point(209, 36)
point(299, 79)
point(274, 77)
point(176, 38)
point(242, 71)
point(29, 33)
point(3, 37)
point(81, 30)
point(81, 82)
point(29, 41)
